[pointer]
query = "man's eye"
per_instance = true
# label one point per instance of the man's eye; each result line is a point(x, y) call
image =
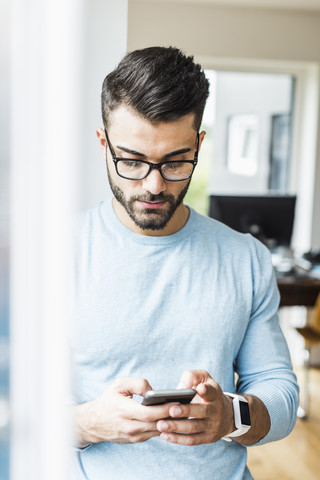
point(131, 163)
point(174, 166)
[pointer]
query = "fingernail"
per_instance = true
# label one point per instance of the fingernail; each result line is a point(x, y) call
point(164, 436)
point(175, 411)
point(163, 425)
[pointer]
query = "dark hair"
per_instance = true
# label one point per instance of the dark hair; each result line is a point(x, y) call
point(159, 83)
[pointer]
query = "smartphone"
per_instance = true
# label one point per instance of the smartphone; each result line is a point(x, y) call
point(159, 397)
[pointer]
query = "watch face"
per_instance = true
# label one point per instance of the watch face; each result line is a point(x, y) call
point(244, 412)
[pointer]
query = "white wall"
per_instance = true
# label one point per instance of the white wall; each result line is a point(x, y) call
point(261, 39)
point(242, 94)
point(104, 44)
point(219, 31)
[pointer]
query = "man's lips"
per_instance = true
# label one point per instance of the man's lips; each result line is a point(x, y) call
point(152, 205)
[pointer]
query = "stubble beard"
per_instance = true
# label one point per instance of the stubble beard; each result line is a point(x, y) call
point(148, 219)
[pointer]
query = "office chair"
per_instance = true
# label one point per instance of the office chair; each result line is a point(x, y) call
point(311, 336)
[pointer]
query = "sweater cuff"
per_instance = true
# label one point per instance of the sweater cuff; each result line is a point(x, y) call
point(282, 409)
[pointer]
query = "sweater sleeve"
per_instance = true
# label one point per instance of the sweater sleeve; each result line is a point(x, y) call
point(263, 363)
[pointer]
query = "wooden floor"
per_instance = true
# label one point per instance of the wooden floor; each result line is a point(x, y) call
point(296, 457)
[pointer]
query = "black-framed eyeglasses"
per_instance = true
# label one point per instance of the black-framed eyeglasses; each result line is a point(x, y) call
point(173, 171)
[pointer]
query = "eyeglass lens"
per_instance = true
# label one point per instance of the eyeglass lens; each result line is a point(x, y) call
point(170, 171)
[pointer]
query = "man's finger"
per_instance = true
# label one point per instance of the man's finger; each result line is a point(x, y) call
point(194, 410)
point(142, 437)
point(209, 391)
point(189, 440)
point(188, 426)
point(150, 414)
point(128, 386)
point(191, 378)
point(136, 427)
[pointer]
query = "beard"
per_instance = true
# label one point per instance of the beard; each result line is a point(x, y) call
point(148, 218)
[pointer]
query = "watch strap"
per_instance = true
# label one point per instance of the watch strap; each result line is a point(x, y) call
point(241, 428)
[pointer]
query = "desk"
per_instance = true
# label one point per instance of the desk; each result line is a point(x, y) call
point(298, 290)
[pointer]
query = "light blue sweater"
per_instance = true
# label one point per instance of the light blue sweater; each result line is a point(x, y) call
point(153, 307)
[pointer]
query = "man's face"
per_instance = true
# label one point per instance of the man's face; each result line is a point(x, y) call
point(153, 205)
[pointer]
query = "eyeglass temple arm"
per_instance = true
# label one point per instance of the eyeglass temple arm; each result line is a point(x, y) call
point(197, 151)
point(109, 144)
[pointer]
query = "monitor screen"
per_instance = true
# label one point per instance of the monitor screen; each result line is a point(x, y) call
point(267, 217)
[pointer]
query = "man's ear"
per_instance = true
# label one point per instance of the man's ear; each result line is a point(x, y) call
point(201, 137)
point(102, 139)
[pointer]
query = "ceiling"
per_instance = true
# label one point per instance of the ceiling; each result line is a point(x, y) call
point(282, 4)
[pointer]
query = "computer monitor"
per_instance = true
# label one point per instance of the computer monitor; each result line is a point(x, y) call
point(267, 217)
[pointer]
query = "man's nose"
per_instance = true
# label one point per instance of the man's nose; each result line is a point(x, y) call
point(154, 182)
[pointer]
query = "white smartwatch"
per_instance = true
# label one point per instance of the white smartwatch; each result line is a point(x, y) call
point(241, 416)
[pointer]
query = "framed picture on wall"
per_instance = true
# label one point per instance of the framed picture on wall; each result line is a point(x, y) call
point(242, 144)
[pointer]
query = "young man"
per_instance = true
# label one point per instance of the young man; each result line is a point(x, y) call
point(166, 297)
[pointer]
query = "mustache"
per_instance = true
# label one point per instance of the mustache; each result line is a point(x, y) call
point(153, 198)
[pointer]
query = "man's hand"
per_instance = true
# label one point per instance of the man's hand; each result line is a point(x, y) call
point(116, 417)
point(211, 415)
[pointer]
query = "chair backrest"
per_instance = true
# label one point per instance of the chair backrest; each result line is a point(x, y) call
point(315, 316)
